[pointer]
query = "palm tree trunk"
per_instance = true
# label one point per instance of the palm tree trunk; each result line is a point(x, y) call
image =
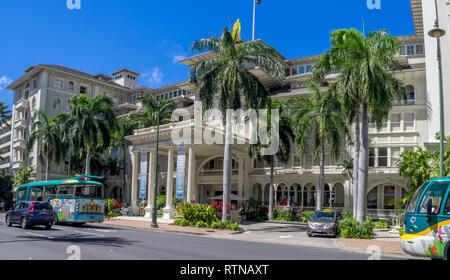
point(363, 166)
point(124, 155)
point(356, 148)
point(47, 166)
point(88, 161)
point(272, 167)
point(227, 165)
point(319, 200)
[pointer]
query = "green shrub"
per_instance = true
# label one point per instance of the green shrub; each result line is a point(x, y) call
point(160, 202)
point(306, 215)
point(216, 225)
point(184, 223)
point(177, 222)
point(198, 212)
point(350, 228)
point(200, 224)
point(401, 231)
point(382, 224)
point(159, 212)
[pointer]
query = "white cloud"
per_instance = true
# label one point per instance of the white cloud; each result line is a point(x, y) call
point(154, 77)
point(4, 81)
point(178, 57)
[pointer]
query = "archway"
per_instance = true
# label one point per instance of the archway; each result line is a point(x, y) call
point(309, 195)
point(338, 195)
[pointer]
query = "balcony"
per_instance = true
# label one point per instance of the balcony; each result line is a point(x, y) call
point(18, 165)
point(20, 144)
point(22, 105)
point(20, 124)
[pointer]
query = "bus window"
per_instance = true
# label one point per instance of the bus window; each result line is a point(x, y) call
point(435, 193)
point(50, 191)
point(447, 207)
point(21, 193)
point(411, 208)
point(36, 194)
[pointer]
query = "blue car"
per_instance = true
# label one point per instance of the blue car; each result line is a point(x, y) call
point(30, 213)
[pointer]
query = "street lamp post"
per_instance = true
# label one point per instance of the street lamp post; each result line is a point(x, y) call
point(437, 33)
point(255, 2)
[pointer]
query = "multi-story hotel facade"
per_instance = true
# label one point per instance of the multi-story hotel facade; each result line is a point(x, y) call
point(410, 125)
point(5, 149)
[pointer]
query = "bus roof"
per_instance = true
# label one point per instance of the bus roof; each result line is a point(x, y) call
point(63, 182)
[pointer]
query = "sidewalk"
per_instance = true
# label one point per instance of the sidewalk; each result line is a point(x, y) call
point(163, 226)
point(384, 243)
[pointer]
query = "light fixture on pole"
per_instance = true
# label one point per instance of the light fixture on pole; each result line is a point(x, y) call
point(437, 33)
point(255, 2)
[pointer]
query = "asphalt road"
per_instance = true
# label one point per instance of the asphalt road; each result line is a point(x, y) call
point(101, 242)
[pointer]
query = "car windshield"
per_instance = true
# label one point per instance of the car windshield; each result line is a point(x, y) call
point(324, 215)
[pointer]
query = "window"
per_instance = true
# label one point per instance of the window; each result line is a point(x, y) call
point(83, 90)
point(21, 193)
point(395, 122)
point(294, 71)
point(301, 69)
point(447, 207)
point(411, 207)
point(410, 49)
point(308, 68)
point(36, 194)
point(395, 156)
point(57, 84)
point(71, 85)
point(35, 84)
point(435, 194)
point(297, 161)
point(372, 198)
point(419, 49)
point(382, 157)
point(389, 197)
point(409, 121)
point(371, 157)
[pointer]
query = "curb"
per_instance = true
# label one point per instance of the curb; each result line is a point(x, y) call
point(364, 251)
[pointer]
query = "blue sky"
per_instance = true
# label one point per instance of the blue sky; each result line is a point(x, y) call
point(149, 36)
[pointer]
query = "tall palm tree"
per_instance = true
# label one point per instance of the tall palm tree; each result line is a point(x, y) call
point(156, 110)
point(93, 121)
point(45, 130)
point(66, 123)
point(365, 81)
point(125, 127)
point(317, 120)
point(5, 114)
point(227, 74)
point(284, 140)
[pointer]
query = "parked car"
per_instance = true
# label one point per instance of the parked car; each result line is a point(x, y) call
point(324, 223)
point(30, 213)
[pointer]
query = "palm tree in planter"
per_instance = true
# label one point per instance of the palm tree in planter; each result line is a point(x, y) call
point(94, 120)
point(45, 130)
point(284, 140)
point(317, 119)
point(227, 74)
point(365, 85)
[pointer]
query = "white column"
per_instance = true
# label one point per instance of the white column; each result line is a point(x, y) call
point(263, 189)
point(169, 212)
point(134, 181)
point(241, 177)
point(150, 184)
point(191, 174)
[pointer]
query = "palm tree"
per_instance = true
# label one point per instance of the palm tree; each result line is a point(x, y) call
point(125, 127)
point(68, 138)
point(93, 121)
point(285, 136)
point(365, 83)
point(156, 111)
point(45, 130)
point(227, 74)
point(317, 119)
point(5, 114)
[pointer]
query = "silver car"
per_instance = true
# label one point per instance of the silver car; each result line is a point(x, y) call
point(324, 223)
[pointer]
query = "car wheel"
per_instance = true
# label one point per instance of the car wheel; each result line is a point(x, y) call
point(48, 226)
point(309, 234)
point(23, 223)
point(8, 221)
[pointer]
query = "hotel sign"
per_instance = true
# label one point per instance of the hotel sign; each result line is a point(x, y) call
point(181, 163)
point(143, 175)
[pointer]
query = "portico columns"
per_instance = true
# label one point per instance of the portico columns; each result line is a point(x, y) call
point(191, 174)
point(169, 212)
point(150, 184)
point(134, 181)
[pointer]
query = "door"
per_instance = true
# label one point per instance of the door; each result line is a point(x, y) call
point(17, 212)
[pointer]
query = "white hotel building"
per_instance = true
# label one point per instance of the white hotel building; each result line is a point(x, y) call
point(410, 125)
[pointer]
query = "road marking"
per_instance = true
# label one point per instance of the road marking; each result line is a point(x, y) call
point(285, 236)
point(105, 230)
point(40, 235)
point(58, 228)
point(89, 233)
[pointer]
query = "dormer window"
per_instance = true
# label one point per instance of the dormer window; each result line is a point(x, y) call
point(83, 90)
point(71, 85)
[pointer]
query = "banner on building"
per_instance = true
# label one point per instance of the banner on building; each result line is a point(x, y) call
point(181, 163)
point(143, 175)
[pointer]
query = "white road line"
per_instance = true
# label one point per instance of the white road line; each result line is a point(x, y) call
point(57, 228)
point(89, 233)
point(40, 235)
point(285, 236)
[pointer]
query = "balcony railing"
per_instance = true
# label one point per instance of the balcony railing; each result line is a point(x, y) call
point(20, 124)
point(22, 104)
point(20, 144)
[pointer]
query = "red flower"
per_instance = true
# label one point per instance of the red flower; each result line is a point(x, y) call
point(232, 208)
point(434, 251)
point(228, 204)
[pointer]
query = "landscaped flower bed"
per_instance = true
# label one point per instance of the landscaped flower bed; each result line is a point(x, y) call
point(203, 216)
